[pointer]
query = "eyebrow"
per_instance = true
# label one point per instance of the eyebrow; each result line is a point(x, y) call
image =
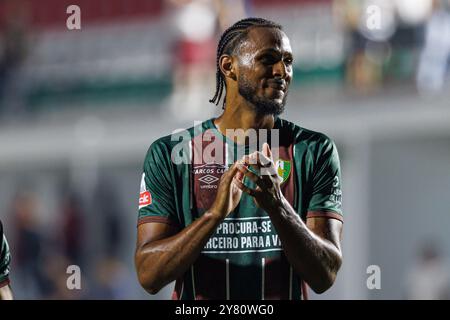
point(272, 50)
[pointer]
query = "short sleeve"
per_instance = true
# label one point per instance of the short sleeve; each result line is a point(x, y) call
point(157, 196)
point(5, 260)
point(326, 194)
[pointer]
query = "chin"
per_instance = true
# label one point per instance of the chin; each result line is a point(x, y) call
point(270, 106)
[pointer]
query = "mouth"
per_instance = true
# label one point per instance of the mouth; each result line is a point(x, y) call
point(279, 85)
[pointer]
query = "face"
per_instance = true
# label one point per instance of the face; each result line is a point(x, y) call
point(265, 69)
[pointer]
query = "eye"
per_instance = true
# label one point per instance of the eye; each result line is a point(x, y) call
point(288, 61)
point(268, 59)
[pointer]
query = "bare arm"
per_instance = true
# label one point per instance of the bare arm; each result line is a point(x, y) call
point(162, 255)
point(313, 249)
point(6, 293)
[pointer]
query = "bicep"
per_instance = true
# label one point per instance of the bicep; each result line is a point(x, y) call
point(326, 228)
point(325, 185)
point(153, 231)
point(157, 199)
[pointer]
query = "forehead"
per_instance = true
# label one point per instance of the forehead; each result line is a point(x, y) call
point(261, 38)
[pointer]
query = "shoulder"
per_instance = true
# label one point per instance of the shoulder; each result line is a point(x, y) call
point(161, 144)
point(303, 136)
point(179, 138)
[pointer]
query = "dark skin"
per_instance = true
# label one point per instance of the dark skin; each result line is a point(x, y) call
point(164, 253)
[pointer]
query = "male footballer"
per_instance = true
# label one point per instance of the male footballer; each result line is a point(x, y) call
point(240, 222)
point(5, 259)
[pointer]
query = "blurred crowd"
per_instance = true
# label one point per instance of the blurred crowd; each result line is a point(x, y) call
point(167, 54)
point(428, 277)
point(162, 54)
point(42, 252)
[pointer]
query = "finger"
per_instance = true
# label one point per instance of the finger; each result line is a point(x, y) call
point(266, 150)
point(231, 172)
point(253, 169)
point(261, 159)
point(248, 173)
point(269, 171)
point(264, 160)
point(257, 159)
point(266, 166)
point(239, 175)
point(251, 159)
point(245, 159)
point(262, 170)
point(250, 163)
point(260, 181)
point(245, 189)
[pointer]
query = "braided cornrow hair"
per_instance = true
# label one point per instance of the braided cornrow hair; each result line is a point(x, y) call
point(228, 43)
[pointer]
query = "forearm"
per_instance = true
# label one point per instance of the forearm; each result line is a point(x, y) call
point(315, 259)
point(163, 261)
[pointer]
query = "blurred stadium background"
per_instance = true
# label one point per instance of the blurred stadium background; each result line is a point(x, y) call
point(79, 108)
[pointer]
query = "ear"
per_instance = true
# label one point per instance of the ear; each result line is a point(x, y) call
point(227, 66)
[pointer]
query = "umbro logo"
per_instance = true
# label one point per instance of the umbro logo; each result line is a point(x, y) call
point(208, 179)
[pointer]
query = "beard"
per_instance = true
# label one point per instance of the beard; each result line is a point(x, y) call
point(262, 105)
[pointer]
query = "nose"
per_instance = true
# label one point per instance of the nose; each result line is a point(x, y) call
point(280, 70)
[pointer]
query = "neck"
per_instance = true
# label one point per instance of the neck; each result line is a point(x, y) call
point(240, 114)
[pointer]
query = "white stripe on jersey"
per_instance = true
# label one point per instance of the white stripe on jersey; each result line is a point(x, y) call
point(193, 282)
point(191, 153)
point(290, 283)
point(182, 288)
point(227, 278)
point(262, 280)
point(227, 155)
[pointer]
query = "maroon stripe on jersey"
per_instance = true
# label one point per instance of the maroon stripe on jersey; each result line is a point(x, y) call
point(304, 290)
point(4, 282)
point(209, 278)
point(207, 168)
point(325, 214)
point(177, 292)
point(157, 219)
point(276, 278)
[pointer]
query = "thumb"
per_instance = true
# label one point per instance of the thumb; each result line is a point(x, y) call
point(266, 150)
point(232, 171)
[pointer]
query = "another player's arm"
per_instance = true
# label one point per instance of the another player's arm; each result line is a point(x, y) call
point(313, 249)
point(5, 259)
point(163, 255)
